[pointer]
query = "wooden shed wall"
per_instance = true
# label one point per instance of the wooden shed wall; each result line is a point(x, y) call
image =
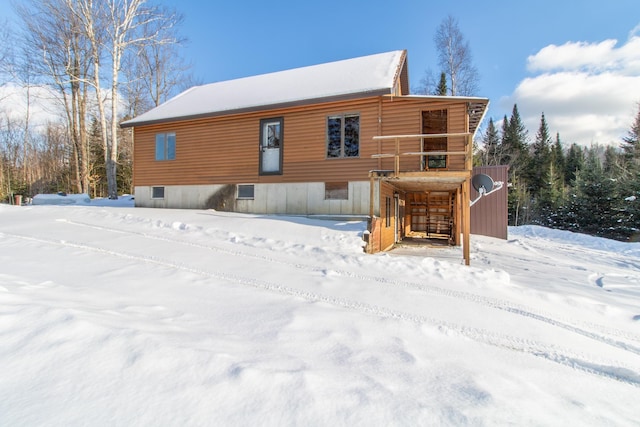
point(489, 216)
point(225, 150)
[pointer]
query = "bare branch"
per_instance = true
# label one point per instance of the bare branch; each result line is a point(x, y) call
point(454, 56)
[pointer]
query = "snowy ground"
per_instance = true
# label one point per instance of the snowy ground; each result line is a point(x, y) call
point(138, 317)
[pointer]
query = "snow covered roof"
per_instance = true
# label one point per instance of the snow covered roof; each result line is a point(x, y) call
point(352, 78)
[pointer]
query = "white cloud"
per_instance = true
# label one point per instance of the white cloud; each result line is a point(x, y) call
point(589, 92)
point(573, 56)
point(44, 105)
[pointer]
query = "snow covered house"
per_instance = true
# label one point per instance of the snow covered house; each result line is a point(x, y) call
point(340, 138)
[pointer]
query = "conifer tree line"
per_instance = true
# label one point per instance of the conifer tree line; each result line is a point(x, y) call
point(593, 190)
point(93, 64)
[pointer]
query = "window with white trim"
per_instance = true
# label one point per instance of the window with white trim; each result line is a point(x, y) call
point(157, 192)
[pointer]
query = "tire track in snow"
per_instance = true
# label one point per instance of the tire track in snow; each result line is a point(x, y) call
point(548, 352)
point(432, 290)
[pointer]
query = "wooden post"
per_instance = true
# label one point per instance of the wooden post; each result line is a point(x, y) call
point(466, 198)
point(371, 196)
point(458, 216)
point(466, 220)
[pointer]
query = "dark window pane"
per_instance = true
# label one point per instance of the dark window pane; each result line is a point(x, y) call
point(273, 135)
point(437, 161)
point(352, 136)
point(157, 193)
point(334, 136)
point(245, 191)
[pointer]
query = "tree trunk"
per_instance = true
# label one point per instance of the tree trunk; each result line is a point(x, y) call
point(83, 145)
point(112, 160)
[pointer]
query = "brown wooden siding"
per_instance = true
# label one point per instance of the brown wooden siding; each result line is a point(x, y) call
point(403, 116)
point(224, 150)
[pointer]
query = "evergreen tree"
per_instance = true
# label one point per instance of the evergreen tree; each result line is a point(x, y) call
point(550, 199)
point(518, 202)
point(515, 155)
point(505, 157)
point(613, 164)
point(552, 194)
point(558, 159)
point(631, 146)
point(630, 182)
point(514, 141)
point(538, 166)
point(491, 143)
point(442, 85)
point(97, 172)
point(574, 163)
point(596, 199)
point(557, 196)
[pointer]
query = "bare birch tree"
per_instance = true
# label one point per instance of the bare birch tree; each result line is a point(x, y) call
point(155, 70)
point(5, 50)
point(454, 56)
point(59, 52)
point(20, 72)
point(112, 27)
point(78, 47)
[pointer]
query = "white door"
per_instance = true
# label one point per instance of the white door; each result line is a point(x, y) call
point(270, 146)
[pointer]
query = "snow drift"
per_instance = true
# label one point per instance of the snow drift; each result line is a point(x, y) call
point(121, 316)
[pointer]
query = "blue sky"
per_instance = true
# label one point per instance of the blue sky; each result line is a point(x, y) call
point(237, 39)
point(511, 41)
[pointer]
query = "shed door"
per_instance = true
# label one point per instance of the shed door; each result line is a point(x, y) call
point(271, 146)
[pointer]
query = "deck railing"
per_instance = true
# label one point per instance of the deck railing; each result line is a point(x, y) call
point(396, 155)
